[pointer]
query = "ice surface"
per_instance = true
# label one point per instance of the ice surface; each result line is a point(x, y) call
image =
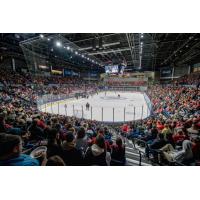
point(103, 106)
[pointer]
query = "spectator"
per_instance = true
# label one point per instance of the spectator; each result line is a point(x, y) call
point(71, 155)
point(159, 142)
point(11, 152)
point(179, 137)
point(166, 130)
point(2, 124)
point(196, 148)
point(36, 132)
point(81, 140)
point(96, 154)
point(185, 155)
point(55, 161)
point(118, 153)
point(52, 146)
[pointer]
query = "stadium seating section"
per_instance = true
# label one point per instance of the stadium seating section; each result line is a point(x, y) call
point(170, 136)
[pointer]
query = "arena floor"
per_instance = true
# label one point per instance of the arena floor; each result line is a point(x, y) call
point(107, 101)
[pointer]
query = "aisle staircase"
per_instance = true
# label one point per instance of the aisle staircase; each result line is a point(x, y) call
point(134, 154)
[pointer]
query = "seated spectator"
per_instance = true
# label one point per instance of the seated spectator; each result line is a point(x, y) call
point(179, 137)
point(193, 130)
point(160, 125)
point(118, 153)
point(151, 135)
point(184, 155)
point(159, 142)
point(35, 131)
point(155, 146)
point(41, 122)
point(166, 130)
point(2, 124)
point(170, 140)
point(154, 133)
point(196, 148)
point(125, 129)
point(52, 146)
point(107, 134)
point(71, 155)
point(97, 154)
point(81, 140)
point(11, 152)
point(55, 161)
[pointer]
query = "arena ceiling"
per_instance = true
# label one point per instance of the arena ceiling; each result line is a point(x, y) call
point(145, 51)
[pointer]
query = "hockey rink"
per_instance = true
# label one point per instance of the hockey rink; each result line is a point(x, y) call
point(105, 106)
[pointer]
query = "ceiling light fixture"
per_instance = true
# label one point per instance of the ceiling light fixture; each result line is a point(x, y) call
point(58, 44)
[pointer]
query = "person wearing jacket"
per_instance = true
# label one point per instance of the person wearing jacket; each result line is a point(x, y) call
point(118, 153)
point(179, 137)
point(35, 130)
point(81, 140)
point(184, 155)
point(71, 155)
point(11, 152)
point(53, 148)
point(97, 154)
point(158, 143)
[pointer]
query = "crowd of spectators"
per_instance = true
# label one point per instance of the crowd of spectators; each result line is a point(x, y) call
point(173, 127)
point(68, 140)
point(189, 79)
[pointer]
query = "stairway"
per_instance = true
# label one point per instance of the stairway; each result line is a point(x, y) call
point(132, 153)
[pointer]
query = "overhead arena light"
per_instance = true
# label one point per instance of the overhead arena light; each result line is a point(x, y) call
point(41, 35)
point(48, 39)
point(104, 45)
point(76, 52)
point(68, 48)
point(58, 44)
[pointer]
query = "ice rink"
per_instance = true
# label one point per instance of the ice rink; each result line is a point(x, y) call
point(106, 106)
